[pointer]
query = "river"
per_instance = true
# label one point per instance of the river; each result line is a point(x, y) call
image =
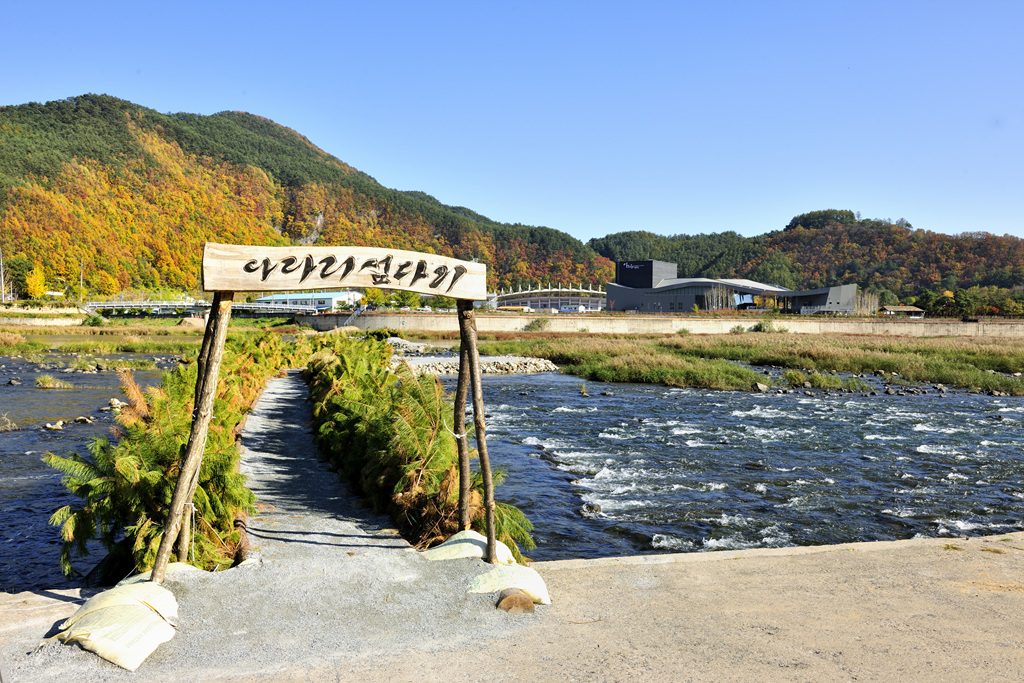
point(645, 469)
point(651, 469)
point(29, 490)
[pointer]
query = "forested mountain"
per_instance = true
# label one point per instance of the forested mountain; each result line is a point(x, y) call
point(132, 194)
point(129, 195)
point(831, 247)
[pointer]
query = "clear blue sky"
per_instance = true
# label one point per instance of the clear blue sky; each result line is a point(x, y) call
point(590, 117)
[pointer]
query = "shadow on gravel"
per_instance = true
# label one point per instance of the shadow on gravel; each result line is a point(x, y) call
point(294, 537)
point(278, 445)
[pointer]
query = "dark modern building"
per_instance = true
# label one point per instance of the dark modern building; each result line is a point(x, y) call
point(652, 287)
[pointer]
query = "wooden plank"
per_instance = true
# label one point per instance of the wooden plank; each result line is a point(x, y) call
point(238, 268)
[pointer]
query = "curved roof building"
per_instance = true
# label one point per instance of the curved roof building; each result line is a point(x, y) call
point(652, 287)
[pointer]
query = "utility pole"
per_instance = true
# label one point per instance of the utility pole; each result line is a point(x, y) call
point(3, 282)
point(81, 279)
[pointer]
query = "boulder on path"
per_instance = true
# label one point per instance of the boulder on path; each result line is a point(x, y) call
point(515, 601)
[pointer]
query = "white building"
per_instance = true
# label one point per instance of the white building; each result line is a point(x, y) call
point(321, 301)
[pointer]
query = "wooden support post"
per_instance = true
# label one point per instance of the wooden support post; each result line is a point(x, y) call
point(185, 534)
point(467, 334)
point(206, 389)
point(461, 438)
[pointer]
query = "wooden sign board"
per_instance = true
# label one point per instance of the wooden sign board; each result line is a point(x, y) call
point(237, 268)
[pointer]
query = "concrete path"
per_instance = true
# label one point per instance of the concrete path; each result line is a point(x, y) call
point(334, 595)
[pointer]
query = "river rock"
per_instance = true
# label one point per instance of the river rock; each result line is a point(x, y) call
point(515, 601)
point(56, 426)
point(758, 386)
point(14, 383)
point(507, 366)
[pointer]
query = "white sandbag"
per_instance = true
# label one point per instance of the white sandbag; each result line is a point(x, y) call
point(172, 568)
point(151, 595)
point(512, 576)
point(122, 634)
point(468, 543)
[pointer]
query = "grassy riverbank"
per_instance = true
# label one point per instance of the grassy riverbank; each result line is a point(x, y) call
point(155, 336)
point(709, 361)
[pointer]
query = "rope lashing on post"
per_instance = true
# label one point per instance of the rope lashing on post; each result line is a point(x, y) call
point(457, 436)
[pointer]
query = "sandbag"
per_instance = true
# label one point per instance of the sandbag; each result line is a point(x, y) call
point(154, 596)
point(122, 634)
point(512, 576)
point(468, 543)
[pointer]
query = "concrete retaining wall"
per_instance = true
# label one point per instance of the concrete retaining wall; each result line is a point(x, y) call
point(637, 324)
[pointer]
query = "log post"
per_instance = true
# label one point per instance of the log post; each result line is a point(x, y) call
point(206, 390)
point(461, 438)
point(467, 334)
point(185, 534)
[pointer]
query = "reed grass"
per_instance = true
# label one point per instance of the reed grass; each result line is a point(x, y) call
point(630, 360)
point(693, 360)
point(953, 361)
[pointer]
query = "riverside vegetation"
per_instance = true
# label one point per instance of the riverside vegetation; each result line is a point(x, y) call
point(710, 361)
point(385, 432)
point(389, 434)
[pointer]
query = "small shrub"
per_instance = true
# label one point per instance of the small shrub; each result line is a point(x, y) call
point(737, 329)
point(768, 326)
point(383, 334)
point(854, 384)
point(6, 425)
point(794, 378)
point(682, 330)
point(819, 381)
point(51, 382)
point(93, 321)
point(537, 325)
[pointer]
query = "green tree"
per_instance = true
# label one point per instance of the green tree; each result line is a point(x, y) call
point(965, 302)
point(442, 302)
point(410, 299)
point(35, 283)
point(17, 269)
point(373, 297)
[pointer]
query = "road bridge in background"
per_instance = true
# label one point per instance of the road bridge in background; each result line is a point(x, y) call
point(191, 307)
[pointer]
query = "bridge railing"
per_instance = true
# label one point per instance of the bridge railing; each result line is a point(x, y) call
point(194, 305)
